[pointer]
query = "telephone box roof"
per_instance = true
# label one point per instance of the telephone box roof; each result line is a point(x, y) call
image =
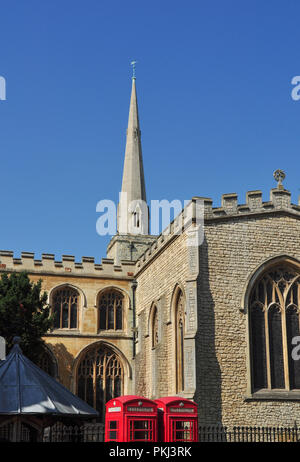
point(25, 389)
point(125, 399)
point(171, 399)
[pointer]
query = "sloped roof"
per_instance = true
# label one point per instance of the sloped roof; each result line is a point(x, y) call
point(26, 389)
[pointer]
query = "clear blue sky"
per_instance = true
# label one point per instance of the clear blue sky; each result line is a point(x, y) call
point(214, 90)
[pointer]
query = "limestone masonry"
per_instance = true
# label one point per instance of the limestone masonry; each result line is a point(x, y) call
point(164, 316)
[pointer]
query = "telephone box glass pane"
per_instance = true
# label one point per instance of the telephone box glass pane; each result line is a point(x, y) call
point(182, 430)
point(141, 430)
point(113, 430)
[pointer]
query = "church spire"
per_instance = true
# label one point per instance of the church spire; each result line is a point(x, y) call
point(133, 174)
point(133, 183)
point(132, 238)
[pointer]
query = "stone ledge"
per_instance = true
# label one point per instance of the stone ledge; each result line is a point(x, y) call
point(273, 395)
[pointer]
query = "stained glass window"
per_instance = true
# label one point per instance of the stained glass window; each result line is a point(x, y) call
point(111, 310)
point(65, 308)
point(100, 378)
point(274, 322)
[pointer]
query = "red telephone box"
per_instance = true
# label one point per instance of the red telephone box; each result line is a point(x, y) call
point(177, 419)
point(131, 418)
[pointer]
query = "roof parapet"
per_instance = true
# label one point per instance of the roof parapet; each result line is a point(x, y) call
point(229, 203)
point(280, 199)
point(48, 264)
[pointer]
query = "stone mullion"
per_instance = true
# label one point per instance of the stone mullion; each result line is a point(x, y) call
point(60, 313)
point(94, 380)
point(284, 348)
point(104, 380)
point(106, 314)
point(78, 307)
point(69, 312)
point(111, 376)
point(115, 312)
point(282, 299)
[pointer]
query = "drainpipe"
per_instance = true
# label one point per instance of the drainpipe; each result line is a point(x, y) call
point(134, 329)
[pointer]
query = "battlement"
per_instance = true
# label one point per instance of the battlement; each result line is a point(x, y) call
point(183, 221)
point(67, 265)
point(280, 200)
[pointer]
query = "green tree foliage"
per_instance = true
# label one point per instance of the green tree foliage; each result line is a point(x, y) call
point(23, 312)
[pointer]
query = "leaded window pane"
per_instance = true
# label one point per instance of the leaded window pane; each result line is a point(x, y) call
point(111, 310)
point(274, 322)
point(99, 378)
point(292, 328)
point(276, 351)
point(73, 316)
point(57, 315)
point(259, 349)
point(119, 316)
point(89, 391)
point(65, 315)
point(65, 308)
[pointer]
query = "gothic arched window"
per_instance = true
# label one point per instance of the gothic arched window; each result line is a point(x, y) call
point(65, 303)
point(274, 321)
point(111, 310)
point(99, 378)
point(155, 334)
point(179, 340)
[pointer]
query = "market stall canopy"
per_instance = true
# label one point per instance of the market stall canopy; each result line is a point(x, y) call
point(25, 389)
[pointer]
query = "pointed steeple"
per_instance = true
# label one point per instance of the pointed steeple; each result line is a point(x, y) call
point(132, 238)
point(133, 183)
point(133, 174)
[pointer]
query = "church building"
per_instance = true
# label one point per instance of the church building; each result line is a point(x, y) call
point(208, 310)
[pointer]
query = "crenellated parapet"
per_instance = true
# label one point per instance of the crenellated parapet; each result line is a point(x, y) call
point(280, 201)
point(189, 215)
point(67, 265)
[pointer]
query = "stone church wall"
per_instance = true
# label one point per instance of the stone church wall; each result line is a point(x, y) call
point(89, 279)
point(155, 367)
point(233, 249)
point(238, 241)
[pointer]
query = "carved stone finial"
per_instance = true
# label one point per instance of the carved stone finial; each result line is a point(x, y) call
point(279, 176)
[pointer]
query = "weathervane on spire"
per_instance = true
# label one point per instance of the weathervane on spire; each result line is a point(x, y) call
point(133, 63)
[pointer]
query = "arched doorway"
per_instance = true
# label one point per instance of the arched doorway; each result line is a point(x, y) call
point(99, 377)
